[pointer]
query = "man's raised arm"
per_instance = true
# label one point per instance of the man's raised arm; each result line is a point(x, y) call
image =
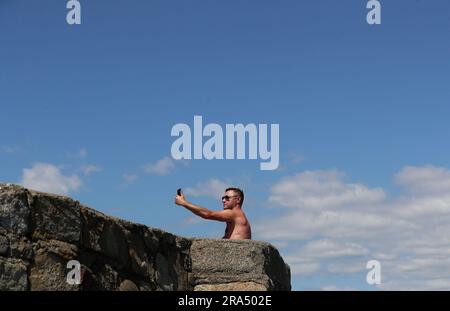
point(205, 213)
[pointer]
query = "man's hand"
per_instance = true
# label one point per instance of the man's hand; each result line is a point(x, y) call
point(180, 199)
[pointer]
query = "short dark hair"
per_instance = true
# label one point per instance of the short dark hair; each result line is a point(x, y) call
point(239, 193)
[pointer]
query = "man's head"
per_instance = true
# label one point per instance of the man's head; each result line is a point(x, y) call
point(232, 198)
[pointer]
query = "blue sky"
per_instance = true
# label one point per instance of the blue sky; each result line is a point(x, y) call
point(363, 110)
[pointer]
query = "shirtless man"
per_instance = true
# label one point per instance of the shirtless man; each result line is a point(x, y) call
point(238, 227)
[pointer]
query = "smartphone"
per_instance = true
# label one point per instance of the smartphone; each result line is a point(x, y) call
point(179, 191)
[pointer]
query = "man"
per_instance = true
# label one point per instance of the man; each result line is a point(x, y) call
point(238, 227)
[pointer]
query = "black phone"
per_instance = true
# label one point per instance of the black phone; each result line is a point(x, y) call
point(179, 191)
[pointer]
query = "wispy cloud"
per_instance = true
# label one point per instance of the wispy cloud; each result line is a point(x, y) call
point(295, 158)
point(129, 178)
point(80, 154)
point(324, 254)
point(333, 226)
point(322, 189)
point(337, 288)
point(424, 180)
point(89, 169)
point(162, 167)
point(10, 149)
point(48, 178)
point(213, 188)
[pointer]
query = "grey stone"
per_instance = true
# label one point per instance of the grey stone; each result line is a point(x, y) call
point(104, 277)
point(140, 257)
point(13, 274)
point(15, 246)
point(20, 247)
point(233, 286)
point(14, 209)
point(163, 276)
point(49, 270)
point(105, 235)
point(4, 245)
point(55, 217)
point(40, 233)
point(128, 286)
point(225, 261)
point(158, 256)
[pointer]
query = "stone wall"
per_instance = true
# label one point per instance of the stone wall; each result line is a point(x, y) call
point(40, 233)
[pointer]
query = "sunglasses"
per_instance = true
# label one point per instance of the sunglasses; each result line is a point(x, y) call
point(228, 197)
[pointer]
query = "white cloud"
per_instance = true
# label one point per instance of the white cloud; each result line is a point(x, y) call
point(162, 167)
point(322, 189)
point(426, 205)
point(48, 178)
point(336, 288)
point(327, 254)
point(343, 224)
point(332, 249)
point(304, 267)
point(425, 180)
point(334, 227)
point(437, 284)
point(348, 265)
point(213, 188)
point(89, 169)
